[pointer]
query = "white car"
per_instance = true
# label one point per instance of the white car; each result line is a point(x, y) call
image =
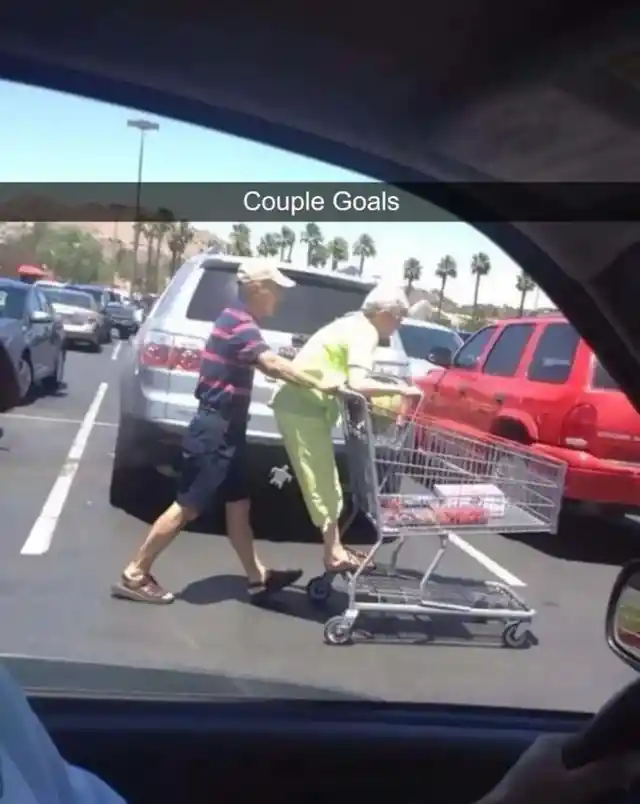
point(418, 339)
point(79, 314)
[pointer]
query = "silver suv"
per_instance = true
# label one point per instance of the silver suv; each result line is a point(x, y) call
point(160, 370)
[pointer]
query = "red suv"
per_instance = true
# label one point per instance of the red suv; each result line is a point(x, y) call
point(535, 381)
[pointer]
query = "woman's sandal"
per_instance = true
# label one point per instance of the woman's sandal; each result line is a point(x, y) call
point(361, 556)
point(353, 563)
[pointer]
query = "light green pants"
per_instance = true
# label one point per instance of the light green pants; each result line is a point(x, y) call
point(308, 442)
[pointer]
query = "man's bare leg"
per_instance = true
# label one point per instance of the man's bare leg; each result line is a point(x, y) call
point(137, 582)
point(263, 582)
point(242, 541)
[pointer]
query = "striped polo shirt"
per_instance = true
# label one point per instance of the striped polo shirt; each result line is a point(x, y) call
point(228, 363)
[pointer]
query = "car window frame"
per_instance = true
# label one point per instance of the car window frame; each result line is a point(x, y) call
point(397, 335)
point(512, 325)
point(544, 328)
point(493, 328)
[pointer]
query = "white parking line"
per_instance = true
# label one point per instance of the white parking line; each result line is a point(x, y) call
point(52, 419)
point(488, 563)
point(116, 350)
point(39, 540)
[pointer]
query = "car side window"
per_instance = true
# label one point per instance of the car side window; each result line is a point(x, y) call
point(43, 304)
point(32, 303)
point(506, 353)
point(468, 355)
point(554, 354)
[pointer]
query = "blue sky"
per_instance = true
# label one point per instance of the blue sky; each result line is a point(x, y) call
point(57, 137)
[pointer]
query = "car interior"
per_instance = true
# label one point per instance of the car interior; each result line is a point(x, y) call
point(536, 91)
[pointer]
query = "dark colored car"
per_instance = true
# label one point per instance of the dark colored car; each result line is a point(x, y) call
point(102, 298)
point(123, 318)
point(32, 341)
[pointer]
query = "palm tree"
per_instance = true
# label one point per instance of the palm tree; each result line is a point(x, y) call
point(338, 250)
point(411, 271)
point(313, 237)
point(240, 240)
point(179, 238)
point(148, 231)
point(319, 256)
point(447, 269)
point(525, 285)
point(269, 245)
point(287, 242)
point(117, 210)
point(480, 266)
point(164, 219)
point(365, 248)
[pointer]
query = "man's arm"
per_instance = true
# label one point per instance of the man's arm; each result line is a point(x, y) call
point(252, 349)
point(280, 368)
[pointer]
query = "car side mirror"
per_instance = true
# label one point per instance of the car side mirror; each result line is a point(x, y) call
point(40, 317)
point(440, 356)
point(623, 615)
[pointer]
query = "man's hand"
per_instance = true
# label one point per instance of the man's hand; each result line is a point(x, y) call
point(328, 386)
point(410, 391)
point(539, 777)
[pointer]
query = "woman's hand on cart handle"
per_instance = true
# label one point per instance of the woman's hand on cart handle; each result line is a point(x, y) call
point(328, 387)
point(411, 392)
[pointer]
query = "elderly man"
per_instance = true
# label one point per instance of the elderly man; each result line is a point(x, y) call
point(214, 446)
point(341, 353)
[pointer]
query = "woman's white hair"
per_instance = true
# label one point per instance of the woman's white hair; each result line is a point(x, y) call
point(386, 299)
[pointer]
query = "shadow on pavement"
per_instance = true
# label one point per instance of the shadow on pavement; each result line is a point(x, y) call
point(588, 539)
point(371, 628)
point(38, 392)
point(214, 589)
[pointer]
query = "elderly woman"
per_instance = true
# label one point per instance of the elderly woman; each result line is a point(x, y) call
point(342, 352)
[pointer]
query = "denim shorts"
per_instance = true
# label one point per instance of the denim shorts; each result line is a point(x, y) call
point(213, 462)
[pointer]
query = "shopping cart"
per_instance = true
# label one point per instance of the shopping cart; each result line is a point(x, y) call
point(413, 476)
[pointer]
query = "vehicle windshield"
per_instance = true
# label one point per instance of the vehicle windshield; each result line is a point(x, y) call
point(419, 341)
point(95, 293)
point(71, 298)
point(90, 463)
point(312, 303)
point(12, 302)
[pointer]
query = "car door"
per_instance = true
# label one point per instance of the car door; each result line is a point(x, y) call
point(37, 335)
point(450, 397)
point(55, 332)
point(500, 384)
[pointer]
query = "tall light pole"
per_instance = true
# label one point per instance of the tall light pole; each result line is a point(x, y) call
point(144, 127)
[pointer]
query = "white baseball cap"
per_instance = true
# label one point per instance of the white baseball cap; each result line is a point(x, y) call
point(263, 271)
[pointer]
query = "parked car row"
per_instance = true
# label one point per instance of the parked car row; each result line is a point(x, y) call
point(91, 313)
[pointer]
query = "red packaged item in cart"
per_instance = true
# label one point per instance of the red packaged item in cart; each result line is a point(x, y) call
point(397, 515)
point(464, 515)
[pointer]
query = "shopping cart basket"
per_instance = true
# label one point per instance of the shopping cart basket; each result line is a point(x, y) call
point(417, 477)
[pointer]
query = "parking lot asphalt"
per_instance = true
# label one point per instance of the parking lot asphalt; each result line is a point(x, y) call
point(62, 545)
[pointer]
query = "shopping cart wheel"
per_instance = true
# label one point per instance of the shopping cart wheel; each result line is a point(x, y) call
point(515, 635)
point(337, 631)
point(319, 590)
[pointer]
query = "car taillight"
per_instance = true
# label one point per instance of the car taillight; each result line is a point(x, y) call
point(172, 354)
point(579, 427)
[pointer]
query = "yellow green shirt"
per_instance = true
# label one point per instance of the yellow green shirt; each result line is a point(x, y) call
point(348, 342)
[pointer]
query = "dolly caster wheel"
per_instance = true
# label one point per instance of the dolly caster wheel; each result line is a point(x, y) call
point(515, 635)
point(319, 590)
point(337, 631)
